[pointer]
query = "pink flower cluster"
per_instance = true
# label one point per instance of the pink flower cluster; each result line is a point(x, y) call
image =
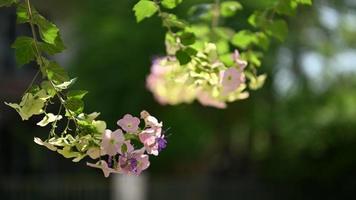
point(121, 155)
point(234, 76)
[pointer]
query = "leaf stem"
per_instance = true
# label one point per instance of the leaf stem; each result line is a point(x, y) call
point(39, 57)
point(216, 14)
point(32, 81)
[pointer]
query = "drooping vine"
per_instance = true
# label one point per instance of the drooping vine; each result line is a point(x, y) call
point(83, 135)
point(208, 60)
point(205, 60)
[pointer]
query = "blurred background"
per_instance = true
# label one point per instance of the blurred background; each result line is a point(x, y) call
point(293, 139)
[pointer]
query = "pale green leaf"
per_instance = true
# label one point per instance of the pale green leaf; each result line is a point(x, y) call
point(49, 118)
point(145, 9)
point(46, 144)
point(257, 82)
point(66, 84)
point(244, 39)
point(229, 8)
point(76, 94)
point(170, 4)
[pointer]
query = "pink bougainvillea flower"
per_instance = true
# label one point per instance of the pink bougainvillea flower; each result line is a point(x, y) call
point(150, 120)
point(237, 59)
point(134, 162)
point(153, 141)
point(103, 165)
point(231, 80)
point(207, 100)
point(129, 123)
point(112, 141)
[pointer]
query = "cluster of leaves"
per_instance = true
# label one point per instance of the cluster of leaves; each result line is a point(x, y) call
point(204, 46)
point(83, 134)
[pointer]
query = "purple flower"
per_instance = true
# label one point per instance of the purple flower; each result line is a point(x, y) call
point(134, 162)
point(129, 123)
point(153, 140)
point(162, 143)
point(231, 80)
point(112, 141)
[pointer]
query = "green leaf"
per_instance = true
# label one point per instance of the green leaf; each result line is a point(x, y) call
point(56, 73)
point(68, 153)
point(49, 118)
point(66, 84)
point(171, 20)
point(257, 82)
point(46, 144)
point(183, 57)
point(287, 7)
point(187, 38)
point(31, 104)
point(145, 9)
point(258, 19)
point(191, 51)
point(305, 2)
point(22, 13)
point(76, 94)
point(48, 31)
point(75, 105)
point(253, 57)
point(47, 86)
point(52, 49)
point(224, 32)
point(263, 40)
point(24, 50)
point(7, 2)
point(278, 29)
point(100, 126)
point(229, 8)
point(170, 4)
point(244, 39)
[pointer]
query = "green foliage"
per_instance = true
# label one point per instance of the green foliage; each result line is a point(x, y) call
point(170, 4)
point(183, 57)
point(229, 8)
point(144, 9)
point(31, 104)
point(56, 73)
point(49, 118)
point(171, 20)
point(278, 29)
point(203, 49)
point(75, 105)
point(244, 39)
point(187, 38)
point(76, 94)
point(49, 32)
point(24, 50)
point(7, 2)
